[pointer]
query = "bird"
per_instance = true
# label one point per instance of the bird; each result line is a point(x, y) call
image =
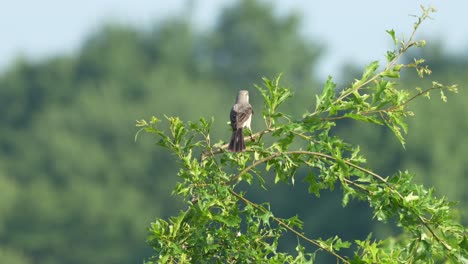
point(241, 117)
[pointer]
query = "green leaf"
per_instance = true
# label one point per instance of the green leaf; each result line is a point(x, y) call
point(391, 55)
point(229, 220)
point(345, 199)
point(392, 34)
point(314, 185)
point(177, 128)
point(285, 141)
point(380, 87)
point(390, 74)
point(339, 244)
point(247, 177)
point(283, 96)
point(464, 243)
point(370, 70)
point(411, 197)
point(328, 94)
point(265, 217)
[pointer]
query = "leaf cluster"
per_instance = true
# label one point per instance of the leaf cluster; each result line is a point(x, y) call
point(221, 225)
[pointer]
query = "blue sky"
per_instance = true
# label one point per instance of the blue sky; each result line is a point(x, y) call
point(350, 30)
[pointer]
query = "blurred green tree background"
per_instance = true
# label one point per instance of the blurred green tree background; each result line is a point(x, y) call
point(76, 188)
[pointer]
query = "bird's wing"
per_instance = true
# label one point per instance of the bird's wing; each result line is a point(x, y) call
point(241, 114)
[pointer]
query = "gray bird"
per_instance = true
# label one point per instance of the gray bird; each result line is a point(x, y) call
point(241, 116)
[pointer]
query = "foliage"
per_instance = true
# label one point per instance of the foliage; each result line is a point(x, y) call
point(434, 152)
point(222, 225)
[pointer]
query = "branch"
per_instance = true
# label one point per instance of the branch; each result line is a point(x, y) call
point(283, 224)
point(373, 174)
point(420, 94)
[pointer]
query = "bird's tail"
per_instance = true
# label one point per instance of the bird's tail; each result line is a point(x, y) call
point(237, 143)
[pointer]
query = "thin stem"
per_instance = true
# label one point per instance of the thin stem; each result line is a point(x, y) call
point(420, 94)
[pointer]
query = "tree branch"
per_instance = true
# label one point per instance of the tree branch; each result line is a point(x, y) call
point(283, 224)
point(373, 174)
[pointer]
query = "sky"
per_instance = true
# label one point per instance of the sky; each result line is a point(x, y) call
point(350, 31)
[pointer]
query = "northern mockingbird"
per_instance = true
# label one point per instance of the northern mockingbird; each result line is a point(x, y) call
point(241, 115)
